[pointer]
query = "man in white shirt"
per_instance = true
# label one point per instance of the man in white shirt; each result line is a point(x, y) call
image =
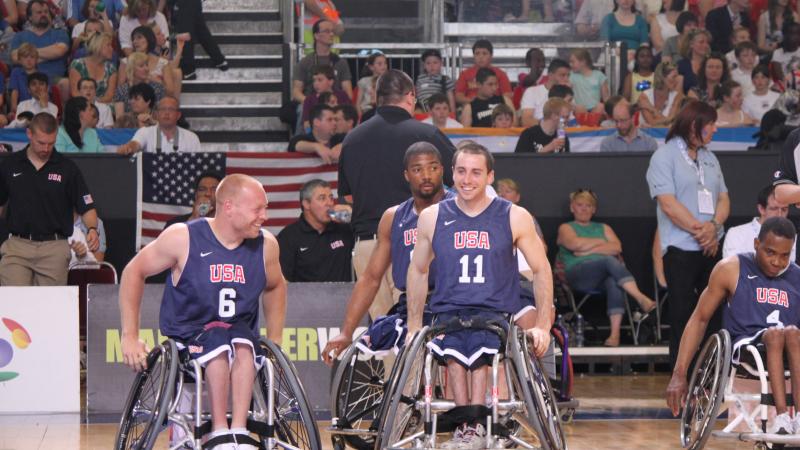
point(39, 101)
point(739, 239)
point(88, 89)
point(167, 136)
point(534, 98)
point(439, 107)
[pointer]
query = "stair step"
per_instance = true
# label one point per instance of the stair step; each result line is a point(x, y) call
point(254, 5)
point(236, 123)
point(243, 136)
point(237, 73)
point(241, 15)
point(248, 38)
point(226, 111)
point(212, 97)
point(205, 86)
point(378, 8)
point(242, 61)
point(250, 26)
point(244, 49)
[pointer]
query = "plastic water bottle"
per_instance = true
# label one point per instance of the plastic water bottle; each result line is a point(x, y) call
point(203, 209)
point(341, 215)
point(579, 324)
point(562, 132)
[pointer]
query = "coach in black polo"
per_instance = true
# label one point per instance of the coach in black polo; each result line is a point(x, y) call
point(371, 167)
point(40, 189)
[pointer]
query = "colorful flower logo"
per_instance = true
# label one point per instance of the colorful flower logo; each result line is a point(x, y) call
point(21, 340)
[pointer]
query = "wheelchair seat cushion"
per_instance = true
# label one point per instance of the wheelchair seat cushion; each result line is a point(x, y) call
point(387, 334)
point(470, 348)
point(220, 337)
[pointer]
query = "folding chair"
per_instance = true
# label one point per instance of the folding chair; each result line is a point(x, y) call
point(85, 274)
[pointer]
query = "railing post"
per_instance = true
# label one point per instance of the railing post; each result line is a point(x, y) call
point(287, 20)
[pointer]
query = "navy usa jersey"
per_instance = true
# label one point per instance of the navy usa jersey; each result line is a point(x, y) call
point(403, 239)
point(217, 284)
point(477, 267)
point(760, 302)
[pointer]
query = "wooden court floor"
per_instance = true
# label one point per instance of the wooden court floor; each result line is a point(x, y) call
point(616, 413)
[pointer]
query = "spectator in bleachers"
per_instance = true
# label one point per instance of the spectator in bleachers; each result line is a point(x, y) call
point(534, 98)
point(160, 69)
point(323, 31)
point(670, 51)
point(663, 26)
point(81, 31)
point(625, 24)
point(502, 116)
point(788, 55)
point(328, 98)
point(562, 91)
point(92, 27)
point(38, 103)
point(694, 50)
point(713, 72)
point(590, 253)
point(189, 21)
point(730, 113)
point(317, 247)
point(18, 83)
point(660, 105)
point(432, 81)
point(467, 86)
point(76, 134)
point(52, 45)
point(770, 24)
point(317, 10)
point(87, 88)
point(439, 109)
point(324, 81)
point(641, 80)
point(762, 99)
point(166, 136)
point(377, 65)
point(80, 227)
point(590, 85)
point(478, 112)
point(740, 35)
point(535, 61)
point(739, 239)
point(140, 12)
point(508, 189)
point(140, 104)
point(346, 118)
point(322, 139)
point(98, 66)
point(628, 137)
point(721, 22)
point(746, 59)
point(687, 182)
point(11, 13)
point(205, 198)
point(137, 72)
point(590, 17)
point(543, 137)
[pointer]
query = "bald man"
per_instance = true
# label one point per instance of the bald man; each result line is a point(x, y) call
point(220, 268)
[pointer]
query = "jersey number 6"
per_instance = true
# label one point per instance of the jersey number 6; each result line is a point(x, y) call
point(227, 305)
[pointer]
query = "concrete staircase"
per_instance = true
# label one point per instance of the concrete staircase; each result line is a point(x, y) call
point(237, 110)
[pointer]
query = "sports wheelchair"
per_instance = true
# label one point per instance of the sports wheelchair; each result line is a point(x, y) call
point(711, 383)
point(280, 413)
point(360, 381)
point(409, 416)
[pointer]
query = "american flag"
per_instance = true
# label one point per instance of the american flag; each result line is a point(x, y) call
point(168, 181)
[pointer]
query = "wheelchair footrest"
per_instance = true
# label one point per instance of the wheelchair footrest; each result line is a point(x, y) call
point(350, 431)
point(772, 438)
point(231, 439)
point(769, 399)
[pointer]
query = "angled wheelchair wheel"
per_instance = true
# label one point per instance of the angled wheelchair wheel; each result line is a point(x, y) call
point(294, 418)
point(706, 390)
point(399, 417)
point(540, 415)
point(146, 408)
point(356, 396)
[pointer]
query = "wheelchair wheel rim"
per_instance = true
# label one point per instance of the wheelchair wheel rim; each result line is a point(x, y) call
point(358, 408)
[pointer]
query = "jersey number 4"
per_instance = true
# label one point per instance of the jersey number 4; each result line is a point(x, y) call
point(227, 305)
point(465, 278)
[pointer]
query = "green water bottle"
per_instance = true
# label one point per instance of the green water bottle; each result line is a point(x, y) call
point(100, 7)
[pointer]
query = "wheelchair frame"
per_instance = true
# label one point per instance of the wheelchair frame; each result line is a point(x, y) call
point(712, 383)
point(166, 378)
point(409, 417)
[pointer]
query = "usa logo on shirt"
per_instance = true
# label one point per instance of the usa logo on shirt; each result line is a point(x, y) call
point(337, 244)
point(54, 177)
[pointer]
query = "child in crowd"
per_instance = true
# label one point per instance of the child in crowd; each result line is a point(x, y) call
point(730, 113)
point(762, 99)
point(478, 112)
point(502, 116)
point(28, 57)
point(535, 60)
point(740, 34)
point(590, 85)
point(431, 81)
point(38, 86)
point(439, 109)
point(79, 41)
point(788, 55)
point(467, 87)
point(746, 58)
point(545, 137)
point(377, 65)
point(324, 79)
point(534, 98)
point(642, 78)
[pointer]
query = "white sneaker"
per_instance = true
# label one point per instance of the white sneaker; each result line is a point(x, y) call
point(238, 432)
point(474, 437)
point(783, 424)
point(796, 423)
point(456, 441)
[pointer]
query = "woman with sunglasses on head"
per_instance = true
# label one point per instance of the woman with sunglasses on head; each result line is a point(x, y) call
point(687, 182)
point(590, 253)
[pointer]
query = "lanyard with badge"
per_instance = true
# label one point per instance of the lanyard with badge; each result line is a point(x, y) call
point(705, 200)
point(175, 143)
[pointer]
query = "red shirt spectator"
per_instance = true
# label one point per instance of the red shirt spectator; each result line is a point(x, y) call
point(467, 88)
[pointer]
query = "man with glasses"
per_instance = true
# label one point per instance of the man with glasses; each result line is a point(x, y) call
point(323, 31)
point(628, 137)
point(167, 136)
